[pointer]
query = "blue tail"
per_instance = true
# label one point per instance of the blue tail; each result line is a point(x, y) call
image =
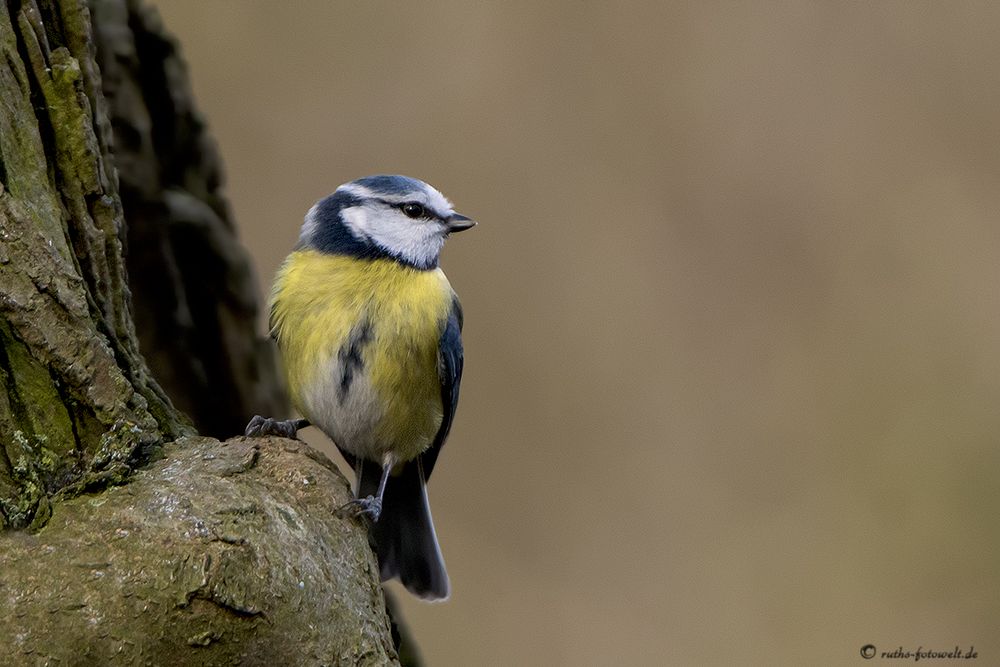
point(405, 541)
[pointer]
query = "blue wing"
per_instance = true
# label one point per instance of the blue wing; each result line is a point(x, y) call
point(404, 535)
point(451, 358)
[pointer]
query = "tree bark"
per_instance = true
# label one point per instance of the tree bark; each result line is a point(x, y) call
point(128, 538)
point(194, 293)
point(215, 554)
point(80, 406)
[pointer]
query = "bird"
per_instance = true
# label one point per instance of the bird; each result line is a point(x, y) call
point(369, 331)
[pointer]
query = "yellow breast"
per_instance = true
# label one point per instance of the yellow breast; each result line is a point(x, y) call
point(359, 342)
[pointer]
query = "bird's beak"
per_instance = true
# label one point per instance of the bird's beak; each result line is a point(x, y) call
point(459, 223)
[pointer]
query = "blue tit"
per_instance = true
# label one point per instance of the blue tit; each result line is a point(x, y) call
point(370, 333)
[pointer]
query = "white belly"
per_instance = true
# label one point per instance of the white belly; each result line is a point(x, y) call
point(350, 418)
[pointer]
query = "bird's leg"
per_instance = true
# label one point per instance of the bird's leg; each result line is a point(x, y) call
point(370, 505)
point(261, 426)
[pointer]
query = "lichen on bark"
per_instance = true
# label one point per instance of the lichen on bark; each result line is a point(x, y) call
point(70, 357)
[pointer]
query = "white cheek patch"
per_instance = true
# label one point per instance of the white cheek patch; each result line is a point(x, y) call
point(416, 241)
point(356, 220)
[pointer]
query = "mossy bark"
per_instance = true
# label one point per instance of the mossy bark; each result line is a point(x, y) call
point(64, 298)
point(129, 540)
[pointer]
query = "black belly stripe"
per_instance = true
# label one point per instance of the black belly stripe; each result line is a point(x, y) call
point(350, 359)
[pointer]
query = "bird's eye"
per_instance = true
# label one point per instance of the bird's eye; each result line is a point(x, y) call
point(412, 210)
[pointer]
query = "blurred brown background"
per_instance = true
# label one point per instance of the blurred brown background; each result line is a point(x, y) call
point(732, 310)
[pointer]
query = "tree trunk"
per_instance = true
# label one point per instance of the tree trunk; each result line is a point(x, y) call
point(130, 539)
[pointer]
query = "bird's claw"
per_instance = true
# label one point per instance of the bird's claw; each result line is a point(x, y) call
point(262, 426)
point(369, 506)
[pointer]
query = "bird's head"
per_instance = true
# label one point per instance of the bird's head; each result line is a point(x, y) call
point(383, 216)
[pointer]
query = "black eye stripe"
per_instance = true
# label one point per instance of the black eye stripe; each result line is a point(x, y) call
point(426, 213)
point(415, 210)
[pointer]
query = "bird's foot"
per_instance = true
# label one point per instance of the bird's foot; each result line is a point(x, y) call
point(369, 506)
point(261, 426)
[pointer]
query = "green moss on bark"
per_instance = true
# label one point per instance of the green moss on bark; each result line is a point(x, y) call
point(70, 360)
point(32, 397)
